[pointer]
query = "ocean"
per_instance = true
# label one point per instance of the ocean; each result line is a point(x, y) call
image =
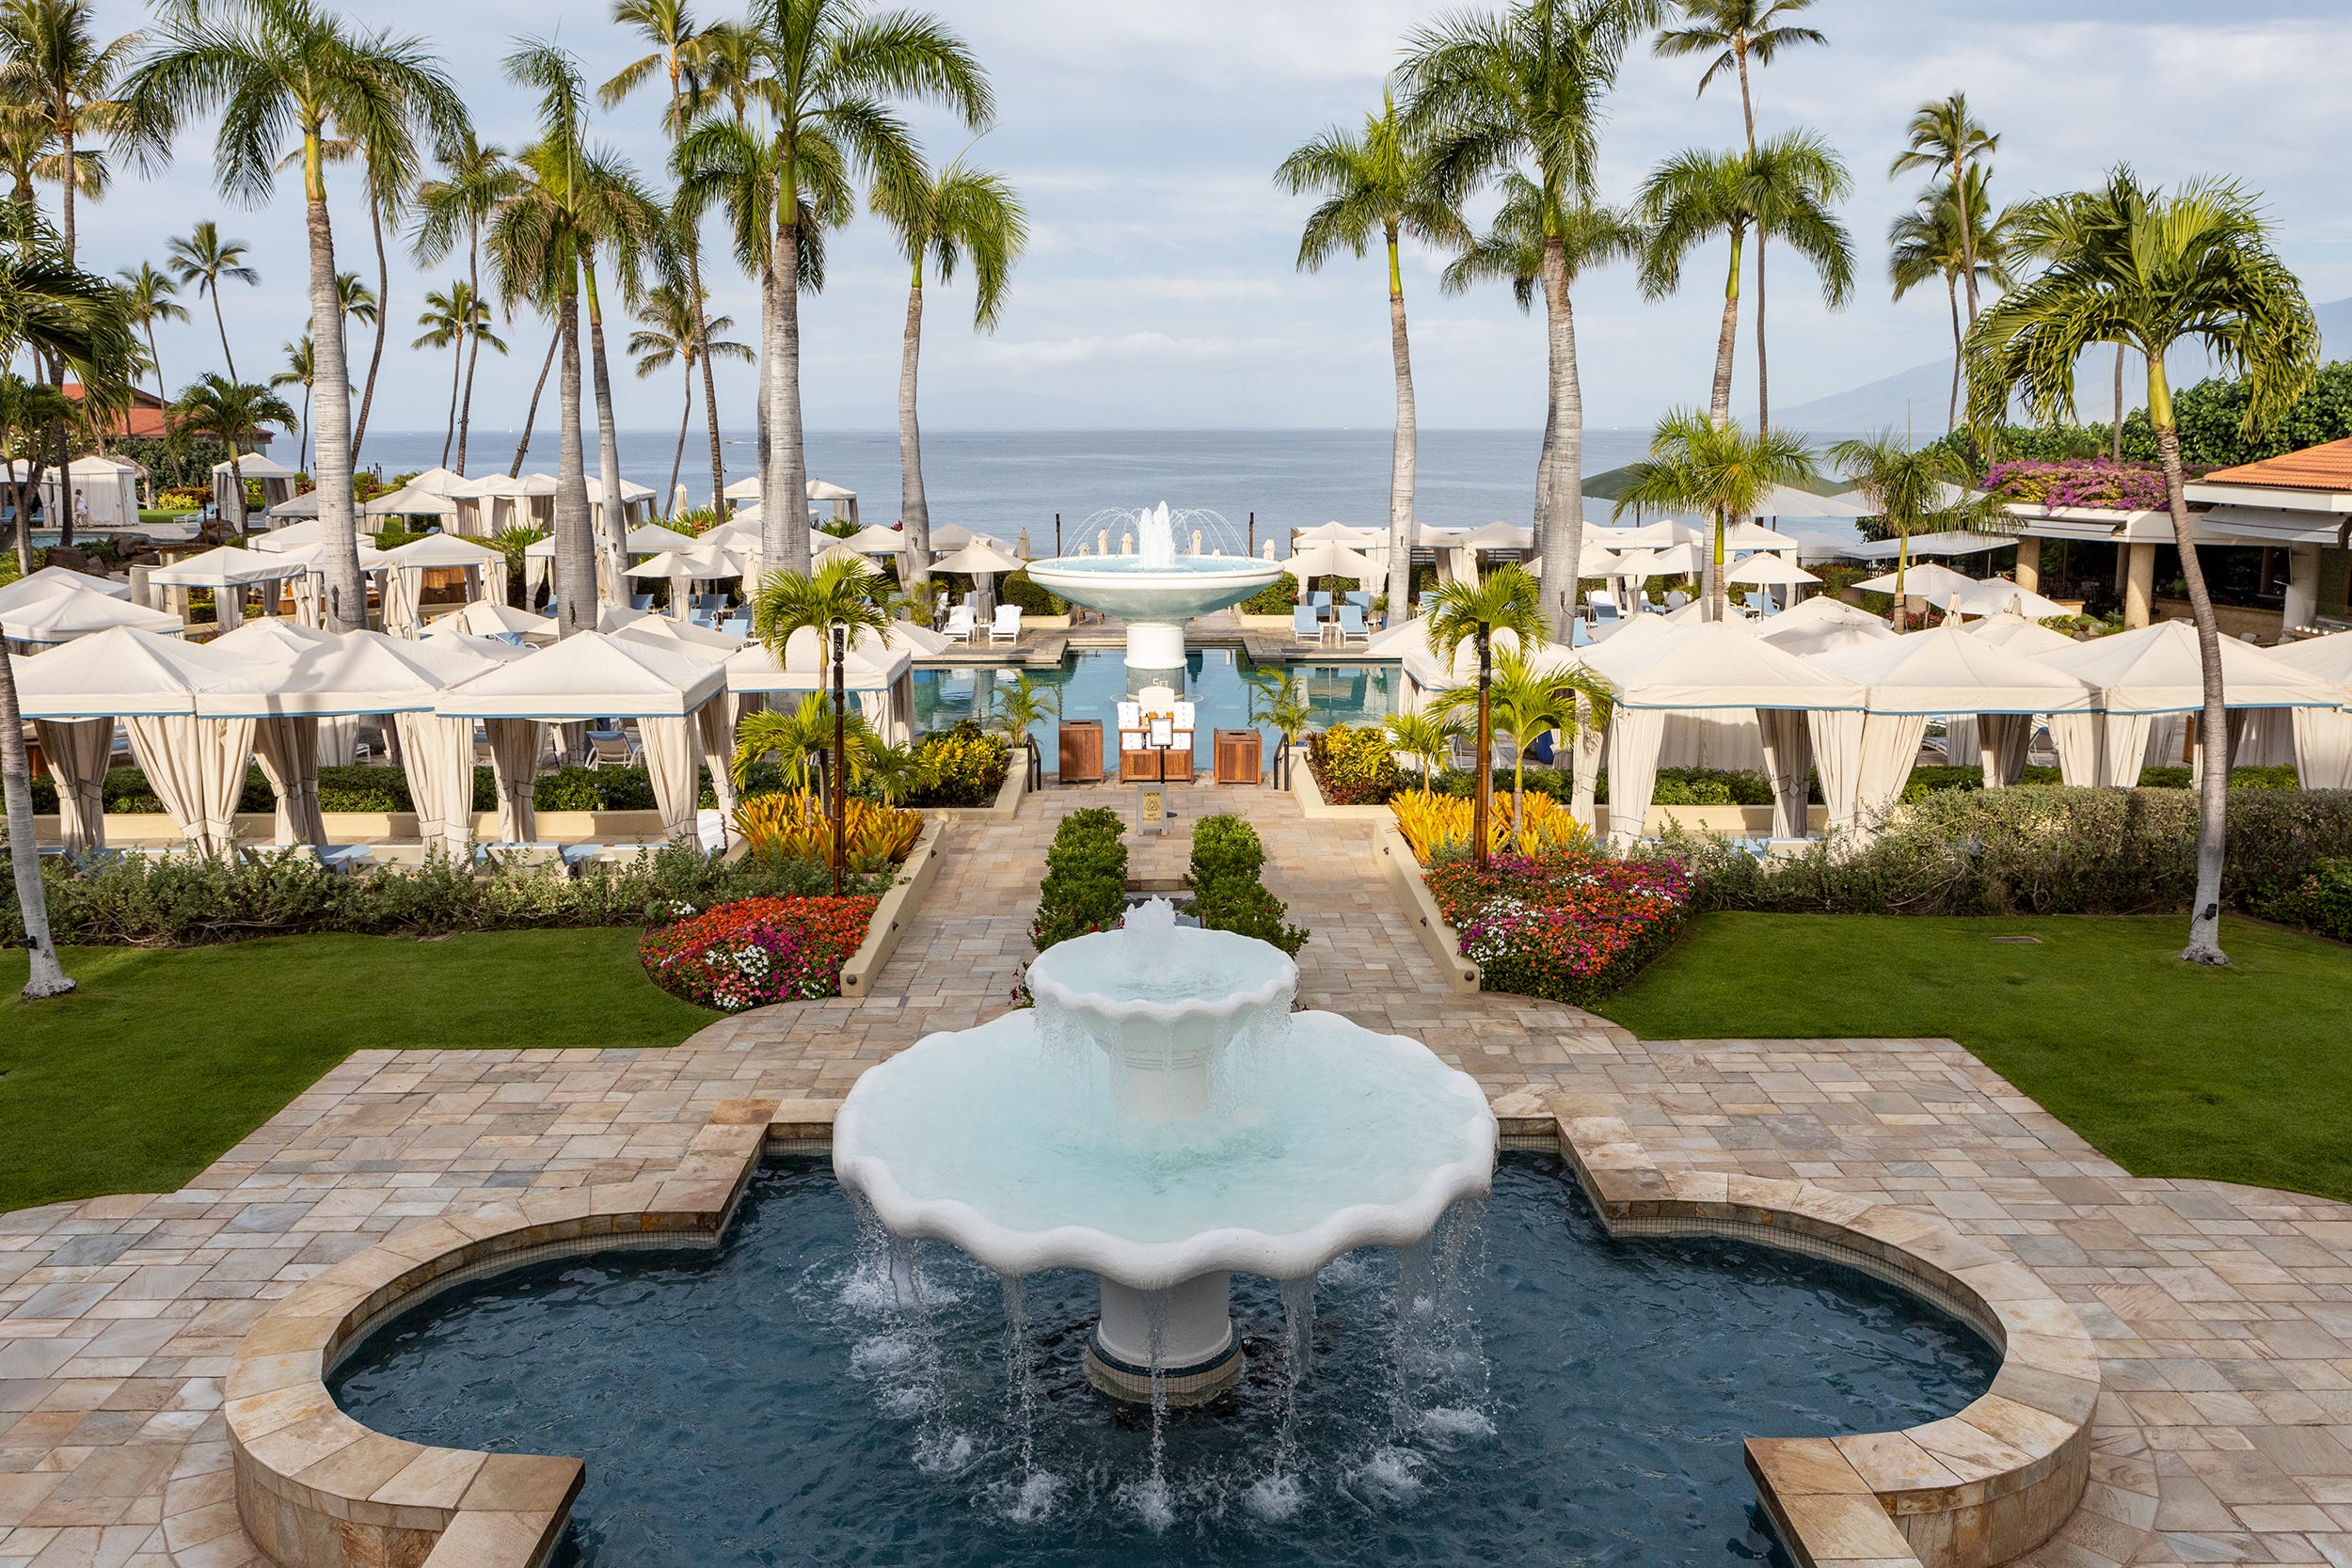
point(1001, 481)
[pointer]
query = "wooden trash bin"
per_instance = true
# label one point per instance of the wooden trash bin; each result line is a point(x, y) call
point(1081, 750)
point(1240, 756)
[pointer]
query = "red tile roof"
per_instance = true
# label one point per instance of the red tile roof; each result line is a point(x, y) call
point(2325, 466)
point(145, 417)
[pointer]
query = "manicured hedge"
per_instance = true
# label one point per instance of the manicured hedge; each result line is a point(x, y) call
point(1085, 888)
point(1227, 891)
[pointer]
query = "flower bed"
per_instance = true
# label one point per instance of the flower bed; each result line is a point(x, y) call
point(2093, 481)
point(1352, 766)
point(1565, 927)
point(755, 951)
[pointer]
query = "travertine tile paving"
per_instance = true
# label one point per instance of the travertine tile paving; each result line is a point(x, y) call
point(2224, 1315)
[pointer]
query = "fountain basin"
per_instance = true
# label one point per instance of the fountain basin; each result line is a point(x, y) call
point(1154, 599)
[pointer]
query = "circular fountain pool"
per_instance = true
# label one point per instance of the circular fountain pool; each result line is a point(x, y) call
point(1548, 1395)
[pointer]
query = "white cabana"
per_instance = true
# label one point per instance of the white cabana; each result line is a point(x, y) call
point(1996, 594)
point(46, 581)
point(592, 675)
point(411, 499)
point(107, 489)
point(843, 501)
point(2323, 736)
point(1805, 716)
point(2008, 629)
point(1332, 561)
point(1808, 638)
point(1337, 532)
point(1766, 570)
point(1943, 673)
point(2156, 669)
point(69, 613)
point(227, 571)
point(636, 502)
point(277, 482)
point(873, 539)
point(878, 668)
point(653, 538)
point(404, 589)
point(496, 618)
point(1786, 500)
point(668, 631)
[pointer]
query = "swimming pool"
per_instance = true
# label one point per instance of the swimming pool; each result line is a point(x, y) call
point(1092, 681)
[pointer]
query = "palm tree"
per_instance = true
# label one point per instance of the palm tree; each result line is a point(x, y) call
point(1946, 137)
point(2156, 269)
point(1698, 464)
point(452, 319)
point(1020, 708)
point(53, 309)
point(301, 371)
point(1787, 187)
point(1522, 91)
point(828, 74)
point(50, 57)
point(1426, 738)
point(843, 593)
point(803, 736)
point(670, 28)
point(1736, 32)
point(1924, 489)
point(229, 411)
point(674, 332)
point(1925, 243)
point(1512, 250)
point(1381, 180)
point(474, 179)
point(286, 68)
point(1505, 599)
point(30, 411)
point(1528, 702)
point(148, 295)
point(940, 219)
point(359, 301)
point(207, 261)
point(1281, 700)
point(2055, 228)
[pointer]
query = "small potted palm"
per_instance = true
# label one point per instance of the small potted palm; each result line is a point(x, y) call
point(1020, 708)
point(1278, 700)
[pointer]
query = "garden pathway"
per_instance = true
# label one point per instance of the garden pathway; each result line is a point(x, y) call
point(2223, 1314)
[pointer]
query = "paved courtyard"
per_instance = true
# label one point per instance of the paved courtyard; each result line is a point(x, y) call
point(2224, 1315)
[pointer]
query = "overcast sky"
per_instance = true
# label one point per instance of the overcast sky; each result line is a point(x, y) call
point(1159, 288)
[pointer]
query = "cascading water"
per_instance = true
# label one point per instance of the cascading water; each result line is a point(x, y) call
point(1163, 1119)
point(1155, 590)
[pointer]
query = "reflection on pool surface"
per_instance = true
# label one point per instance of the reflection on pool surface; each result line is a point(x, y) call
point(1568, 1399)
point(1093, 681)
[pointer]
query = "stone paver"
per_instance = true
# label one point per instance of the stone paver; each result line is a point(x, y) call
point(2222, 1315)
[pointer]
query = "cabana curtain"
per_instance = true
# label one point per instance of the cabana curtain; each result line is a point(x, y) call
point(196, 768)
point(78, 750)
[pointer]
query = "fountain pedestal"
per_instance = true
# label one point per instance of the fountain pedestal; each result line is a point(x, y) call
point(1196, 1352)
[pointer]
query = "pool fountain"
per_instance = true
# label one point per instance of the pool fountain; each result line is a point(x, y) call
point(1162, 1119)
point(1156, 590)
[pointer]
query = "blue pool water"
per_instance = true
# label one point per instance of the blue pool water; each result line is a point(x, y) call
point(1566, 1399)
point(1093, 681)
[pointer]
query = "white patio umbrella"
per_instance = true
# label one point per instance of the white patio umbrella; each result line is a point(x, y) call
point(874, 539)
point(1330, 561)
point(653, 538)
point(411, 501)
point(980, 559)
point(952, 536)
point(1924, 580)
point(1768, 571)
point(1996, 594)
point(593, 674)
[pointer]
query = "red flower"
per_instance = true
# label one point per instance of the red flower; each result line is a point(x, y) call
point(757, 950)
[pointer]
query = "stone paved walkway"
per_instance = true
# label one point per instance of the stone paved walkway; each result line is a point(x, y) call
point(2223, 1314)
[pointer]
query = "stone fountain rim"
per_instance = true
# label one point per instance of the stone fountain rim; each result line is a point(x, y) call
point(1159, 1265)
point(1071, 998)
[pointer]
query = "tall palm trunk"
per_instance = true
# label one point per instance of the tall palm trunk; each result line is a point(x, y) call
point(575, 544)
point(530, 415)
point(64, 213)
point(347, 596)
point(1484, 787)
point(1404, 453)
point(1951, 415)
point(48, 976)
point(702, 319)
point(236, 490)
point(222, 323)
point(677, 461)
point(613, 534)
point(2213, 725)
point(383, 320)
point(308, 446)
point(1727, 336)
point(784, 503)
point(1967, 233)
point(1763, 377)
point(155, 362)
point(456, 377)
point(473, 349)
point(1560, 510)
point(2115, 435)
point(914, 507)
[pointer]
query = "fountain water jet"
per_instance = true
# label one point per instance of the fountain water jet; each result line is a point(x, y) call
point(1162, 1119)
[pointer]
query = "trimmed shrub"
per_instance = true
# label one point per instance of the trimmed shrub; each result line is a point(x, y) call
point(756, 951)
point(1227, 891)
point(1279, 597)
point(962, 767)
point(1566, 927)
point(1018, 588)
point(1086, 879)
point(1352, 766)
point(2322, 901)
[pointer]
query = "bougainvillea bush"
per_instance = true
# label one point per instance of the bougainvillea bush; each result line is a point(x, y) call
point(755, 951)
point(1567, 927)
point(2092, 482)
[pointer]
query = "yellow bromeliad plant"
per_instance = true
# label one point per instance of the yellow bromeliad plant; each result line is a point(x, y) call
point(792, 825)
point(1437, 825)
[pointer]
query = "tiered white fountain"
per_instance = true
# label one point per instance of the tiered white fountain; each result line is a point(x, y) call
point(1162, 1118)
point(1155, 590)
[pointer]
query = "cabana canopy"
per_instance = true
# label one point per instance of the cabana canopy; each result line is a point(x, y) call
point(120, 673)
point(977, 557)
point(873, 539)
point(2008, 629)
point(653, 538)
point(66, 616)
point(411, 501)
point(51, 581)
point(1947, 671)
point(589, 675)
point(227, 567)
point(2155, 669)
point(1923, 580)
point(351, 672)
point(1996, 594)
point(489, 617)
point(442, 550)
point(871, 664)
point(1345, 533)
point(1708, 664)
point(1765, 570)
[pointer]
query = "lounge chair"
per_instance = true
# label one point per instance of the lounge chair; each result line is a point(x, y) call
point(1428, 598)
point(1320, 598)
point(960, 625)
point(1005, 628)
point(1603, 606)
point(1352, 625)
point(736, 626)
point(1650, 605)
point(1306, 625)
point(513, 857)
point(611, 748)
point(641, 601)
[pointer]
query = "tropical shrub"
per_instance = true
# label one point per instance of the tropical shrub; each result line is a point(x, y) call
point(1085, 888)
point(2322, 901)
point(190, 900)
point(1018, 588)
point(1227, 891)
point(961, 767)
point(1438, 826)
point(1352, 766)
point(755, 951)
point(182, 500)
point(795, 826)
point(1566, 926)
point(2091, 482)
point(1279, 597)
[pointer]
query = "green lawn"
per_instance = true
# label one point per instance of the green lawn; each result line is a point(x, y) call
point(163, 1059)
point(2238, 1074)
